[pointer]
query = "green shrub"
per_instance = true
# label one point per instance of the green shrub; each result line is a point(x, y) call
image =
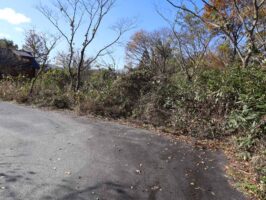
point(62, 102)
point(120, 99)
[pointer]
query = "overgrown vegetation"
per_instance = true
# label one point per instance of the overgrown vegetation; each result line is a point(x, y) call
point(218, 104)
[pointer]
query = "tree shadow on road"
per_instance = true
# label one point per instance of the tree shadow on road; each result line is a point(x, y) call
point(106, 190)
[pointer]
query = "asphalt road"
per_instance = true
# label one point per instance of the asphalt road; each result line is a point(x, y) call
point(47, 155)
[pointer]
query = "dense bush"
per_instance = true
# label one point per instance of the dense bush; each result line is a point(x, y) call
point(216, 104)
point(14, 89)
point(121, 97)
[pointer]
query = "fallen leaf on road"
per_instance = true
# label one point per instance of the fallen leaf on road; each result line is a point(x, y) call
point(67, 173)
point(155, 188)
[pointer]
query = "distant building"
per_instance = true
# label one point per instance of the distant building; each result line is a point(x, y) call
point(17, 62)
point(53, 66)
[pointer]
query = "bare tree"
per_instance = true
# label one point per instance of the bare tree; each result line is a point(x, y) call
point(70, 12)
point(150, 49)
point(82, 15)
point(40, 45)
point(247, 14)
point(110, 63)
point(120, 28)
point(192, 42)
point(138, 48)
point(163, 47)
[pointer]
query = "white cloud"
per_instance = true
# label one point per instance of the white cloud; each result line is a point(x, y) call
point(18, 29)
point(4, 35)
point(12, 17)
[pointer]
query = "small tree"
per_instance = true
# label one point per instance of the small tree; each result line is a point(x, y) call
point(139, 48)
point(163, 46)
point(152, 50)
point(41, 45)
point(191, 41)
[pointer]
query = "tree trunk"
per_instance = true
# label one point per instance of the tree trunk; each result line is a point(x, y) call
point(245, 61)
point(78, 82)
point(33, 84)
point(69, 68)
point(35, 79)
point(234, 54)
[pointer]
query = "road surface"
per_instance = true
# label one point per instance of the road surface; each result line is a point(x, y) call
point(46, 155)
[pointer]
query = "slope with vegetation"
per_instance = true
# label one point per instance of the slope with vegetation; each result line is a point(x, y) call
point(204, 77)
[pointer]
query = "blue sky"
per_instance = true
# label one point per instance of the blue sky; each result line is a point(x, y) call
point(16, 16)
